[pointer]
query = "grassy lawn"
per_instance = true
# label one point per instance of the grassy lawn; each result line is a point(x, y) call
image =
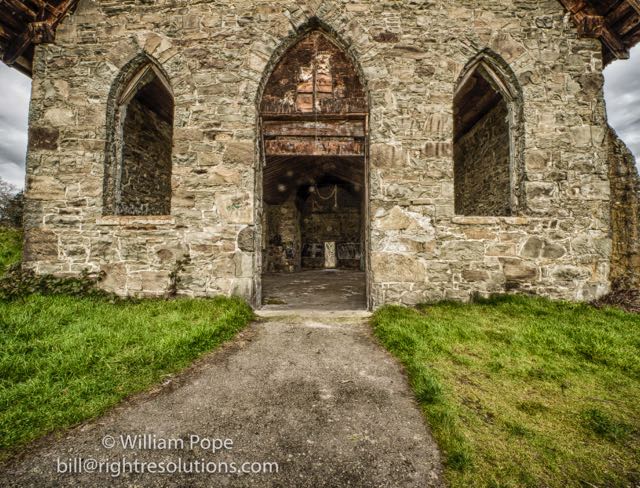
point(525, 391)
point(64, 360)
point(10, 248)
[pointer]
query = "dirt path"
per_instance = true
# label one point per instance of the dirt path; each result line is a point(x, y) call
point(313, 393)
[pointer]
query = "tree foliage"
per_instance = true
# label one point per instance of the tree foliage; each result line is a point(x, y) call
point(11, 205)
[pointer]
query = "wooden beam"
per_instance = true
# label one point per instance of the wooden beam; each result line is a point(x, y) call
point(590, 24)
point(330, 147)
point(5, 33)
point(574, 6)
point(635, 5)
point(37, 32)
point(629, 25)
point(618, 13)
point(63, 9)
point(24, 66)
point(614, 43)
point(22, 8)
point(337, 128)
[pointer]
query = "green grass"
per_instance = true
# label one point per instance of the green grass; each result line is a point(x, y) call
point(64, 360)
point(10, 248)
point(524, 392)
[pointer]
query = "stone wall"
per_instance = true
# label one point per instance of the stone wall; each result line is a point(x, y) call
point(481, 167)
point(284, 243)
point(625, 214)
point(217, 57)
point(145, 187)
point(329, 220)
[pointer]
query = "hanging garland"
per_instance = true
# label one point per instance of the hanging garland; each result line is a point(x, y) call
point(333, 194)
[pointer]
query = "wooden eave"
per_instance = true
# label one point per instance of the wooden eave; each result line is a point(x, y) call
point(616, 23)
point(26, 23)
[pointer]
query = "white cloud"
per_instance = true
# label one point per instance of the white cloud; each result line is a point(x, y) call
point(622, 93)
point(15, 91)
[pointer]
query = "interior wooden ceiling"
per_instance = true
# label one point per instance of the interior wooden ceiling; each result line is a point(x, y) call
point(473, 102)
point(25, 23)
point(284, 175)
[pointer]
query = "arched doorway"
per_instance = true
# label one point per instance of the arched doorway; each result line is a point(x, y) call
point(314, 117)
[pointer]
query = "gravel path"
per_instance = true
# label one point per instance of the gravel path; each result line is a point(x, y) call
point(313, 393)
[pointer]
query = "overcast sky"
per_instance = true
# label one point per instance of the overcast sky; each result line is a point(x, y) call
point(15, 90)
point(622, 92)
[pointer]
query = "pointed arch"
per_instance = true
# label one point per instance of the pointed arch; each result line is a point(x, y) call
point(488, 138)
point(138, 163)
point(313, 24)
point(315, 67)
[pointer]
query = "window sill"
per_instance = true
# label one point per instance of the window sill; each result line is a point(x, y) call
point(136, 221)
point(485, 220)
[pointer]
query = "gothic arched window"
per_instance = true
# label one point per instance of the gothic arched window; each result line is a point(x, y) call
point(140, 142)
point(488, 139)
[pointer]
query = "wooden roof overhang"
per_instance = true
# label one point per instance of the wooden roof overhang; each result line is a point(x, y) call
point(615, 22)
point(25, 23)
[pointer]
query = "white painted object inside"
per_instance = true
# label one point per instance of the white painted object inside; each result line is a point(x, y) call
point(330, 260)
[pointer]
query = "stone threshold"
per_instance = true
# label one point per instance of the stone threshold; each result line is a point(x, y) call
point(265, 313)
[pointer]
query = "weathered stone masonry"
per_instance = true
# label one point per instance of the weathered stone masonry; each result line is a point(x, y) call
point(217, 57)
point(146, 169)
point(485, 184)
point(625, 215)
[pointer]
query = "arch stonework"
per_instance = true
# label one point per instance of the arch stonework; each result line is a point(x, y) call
point(137, 75)
point(501, 78)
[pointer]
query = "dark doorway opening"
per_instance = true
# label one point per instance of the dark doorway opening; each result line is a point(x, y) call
point(314, 128)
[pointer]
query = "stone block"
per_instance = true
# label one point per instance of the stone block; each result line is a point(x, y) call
point(40, 245)
point(246, 239)
point(397, 268)
point(569, 273)
point(240, 153)
point(154, 282)
point(59, 117)
point(45, 188)
point(532, 248)
point(386, 156)
point(462, 251)
point(518, 270)
point(244, 265)
point(235, 209)
point(44, 138)
point(473, 275)
point(115, 277)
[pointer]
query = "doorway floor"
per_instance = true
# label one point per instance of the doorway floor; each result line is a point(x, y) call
point(317, 290)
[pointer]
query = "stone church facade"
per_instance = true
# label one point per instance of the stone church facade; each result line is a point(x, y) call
point(446, 148)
